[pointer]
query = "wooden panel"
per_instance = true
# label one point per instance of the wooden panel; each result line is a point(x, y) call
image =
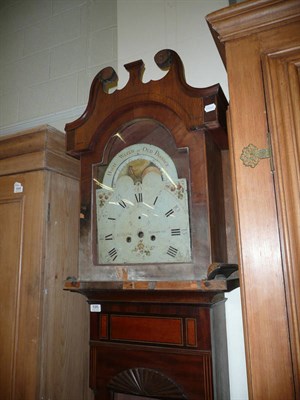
point(147, 329)
point(190, 370)
point(232, 256)
point(11, 213)
point(28, 279)
point(282, 73)
point(103, 329)
point(157, 319)
point(259, 245)
point(65, 322)
point(191, 332)
point(30, 162)
point(216, 224)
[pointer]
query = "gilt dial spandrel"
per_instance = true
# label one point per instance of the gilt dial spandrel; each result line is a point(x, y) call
point(142, 209)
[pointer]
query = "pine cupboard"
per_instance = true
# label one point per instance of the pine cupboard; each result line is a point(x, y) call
point(259, 42)
point(43, 334)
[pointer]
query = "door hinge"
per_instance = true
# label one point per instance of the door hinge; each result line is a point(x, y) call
point(251, 154)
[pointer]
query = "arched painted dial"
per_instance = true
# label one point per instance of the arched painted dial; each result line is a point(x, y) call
point(143, 217)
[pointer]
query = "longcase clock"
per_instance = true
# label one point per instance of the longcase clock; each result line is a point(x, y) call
point(152, 229)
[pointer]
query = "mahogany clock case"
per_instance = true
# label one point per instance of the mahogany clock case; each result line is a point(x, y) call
point(187, 124)
point(161, 331)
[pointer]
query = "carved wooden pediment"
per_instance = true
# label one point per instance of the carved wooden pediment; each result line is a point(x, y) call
point(199, 108)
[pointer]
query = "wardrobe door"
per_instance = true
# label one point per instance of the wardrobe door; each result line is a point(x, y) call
point(21, 217)
point(282, 82)
point(65, 324)
point(259, 42)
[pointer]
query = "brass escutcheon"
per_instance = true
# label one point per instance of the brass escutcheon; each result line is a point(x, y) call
point(251, 155)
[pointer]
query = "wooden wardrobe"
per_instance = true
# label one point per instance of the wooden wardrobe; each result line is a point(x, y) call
point(259, 42)
point(43, 334)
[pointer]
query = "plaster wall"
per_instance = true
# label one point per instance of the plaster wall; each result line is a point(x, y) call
point(50, 50)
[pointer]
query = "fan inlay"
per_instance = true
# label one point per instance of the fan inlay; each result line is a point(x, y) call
point(146, 382)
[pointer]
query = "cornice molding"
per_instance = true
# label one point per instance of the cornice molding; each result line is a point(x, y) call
point(250, 17)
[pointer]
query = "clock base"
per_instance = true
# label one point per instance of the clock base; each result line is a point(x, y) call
point(164, 347)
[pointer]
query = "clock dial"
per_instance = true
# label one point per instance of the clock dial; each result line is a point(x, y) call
point(143, 217)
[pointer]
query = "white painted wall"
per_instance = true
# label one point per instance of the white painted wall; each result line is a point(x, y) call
point(50, 50)
point(147, 26)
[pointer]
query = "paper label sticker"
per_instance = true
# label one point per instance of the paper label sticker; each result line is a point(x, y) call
point(95, 307)
point(210, 107)
point(18, 188)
